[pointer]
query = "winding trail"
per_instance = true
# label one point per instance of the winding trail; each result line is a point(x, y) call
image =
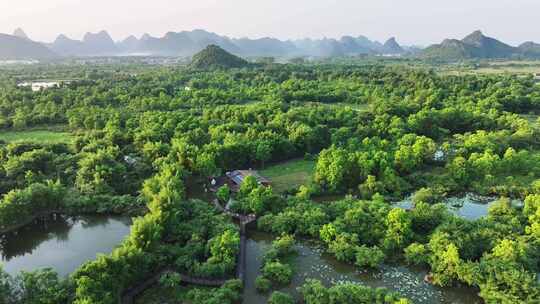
point(128, 295)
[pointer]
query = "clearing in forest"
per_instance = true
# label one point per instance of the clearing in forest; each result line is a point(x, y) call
point(43, 136)
point(289, 174)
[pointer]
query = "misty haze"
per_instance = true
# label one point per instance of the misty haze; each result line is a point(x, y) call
point(280, 152)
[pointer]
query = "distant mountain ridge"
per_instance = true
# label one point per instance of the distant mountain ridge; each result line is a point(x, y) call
point(188, 43)
point(478, 46)
point(93, 44)
point(100, 43)
point(17, 48)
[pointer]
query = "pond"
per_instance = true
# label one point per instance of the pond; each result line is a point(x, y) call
point(469, 206)
point(313, 262)
point(62, 243)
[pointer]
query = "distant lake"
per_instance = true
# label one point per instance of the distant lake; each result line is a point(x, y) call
point(62, 243)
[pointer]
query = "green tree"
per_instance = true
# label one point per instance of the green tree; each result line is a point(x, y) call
point(223, 193)
point(369, 256)
point(416, 254)
point(426, 195)
point(262, 284)
point(314, 292)
point(100, 173)
point(277, 272)
point(248, 185)
point(6, 287)
point(399, 229)
point(43, 287)
point(263, 152)
point(278, 297)
point(445, 261)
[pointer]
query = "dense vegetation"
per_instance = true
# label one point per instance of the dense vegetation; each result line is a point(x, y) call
point(213, 57)
point(376, 132)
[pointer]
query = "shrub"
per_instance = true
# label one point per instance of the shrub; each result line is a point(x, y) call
point(278, 273)
point(426, 195)
point(369, 256)
point(416, 254)
point(280, 298)
point(262, 284)
point(284, 245)
point(223, 194)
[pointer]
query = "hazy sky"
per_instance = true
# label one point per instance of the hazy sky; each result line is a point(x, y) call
point(411, 21)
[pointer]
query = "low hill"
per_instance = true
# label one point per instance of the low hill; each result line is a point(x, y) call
point(93, 44)
point(129, 44)
point(474, 46)
point(68, 47)
point(530, 50)
point(214, 57)
point(17, 48)
point(449, 49)
point(391, 46)
point(99, 43)
point(487, 47)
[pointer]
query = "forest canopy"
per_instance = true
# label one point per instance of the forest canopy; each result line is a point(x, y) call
point(140, 138)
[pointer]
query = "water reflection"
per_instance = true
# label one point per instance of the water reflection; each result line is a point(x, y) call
point(469, 206)
point(63, 243)
point(26, 239)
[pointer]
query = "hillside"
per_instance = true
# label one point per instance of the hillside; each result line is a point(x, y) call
point(99, 43)
point(129, 44)
point(68, 47)
point(188, 43)
point(17, 48)
point(213, 57)
point(530, 49)
point(487, 47)
point(391, 46)
point(449, 49)
point(93, 44)
point(474, 46)
point(20, 33)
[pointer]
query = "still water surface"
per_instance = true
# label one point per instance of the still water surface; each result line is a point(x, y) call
point(313, 262)
point(62, 243)
point(468, 206)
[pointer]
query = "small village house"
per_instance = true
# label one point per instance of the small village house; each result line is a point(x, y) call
point(234, 180)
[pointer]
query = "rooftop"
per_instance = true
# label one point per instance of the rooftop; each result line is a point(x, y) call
point(238, 176)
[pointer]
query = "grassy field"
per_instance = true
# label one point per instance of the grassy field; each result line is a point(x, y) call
point(289, 174)
point(497, 67)
point(44, 136)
